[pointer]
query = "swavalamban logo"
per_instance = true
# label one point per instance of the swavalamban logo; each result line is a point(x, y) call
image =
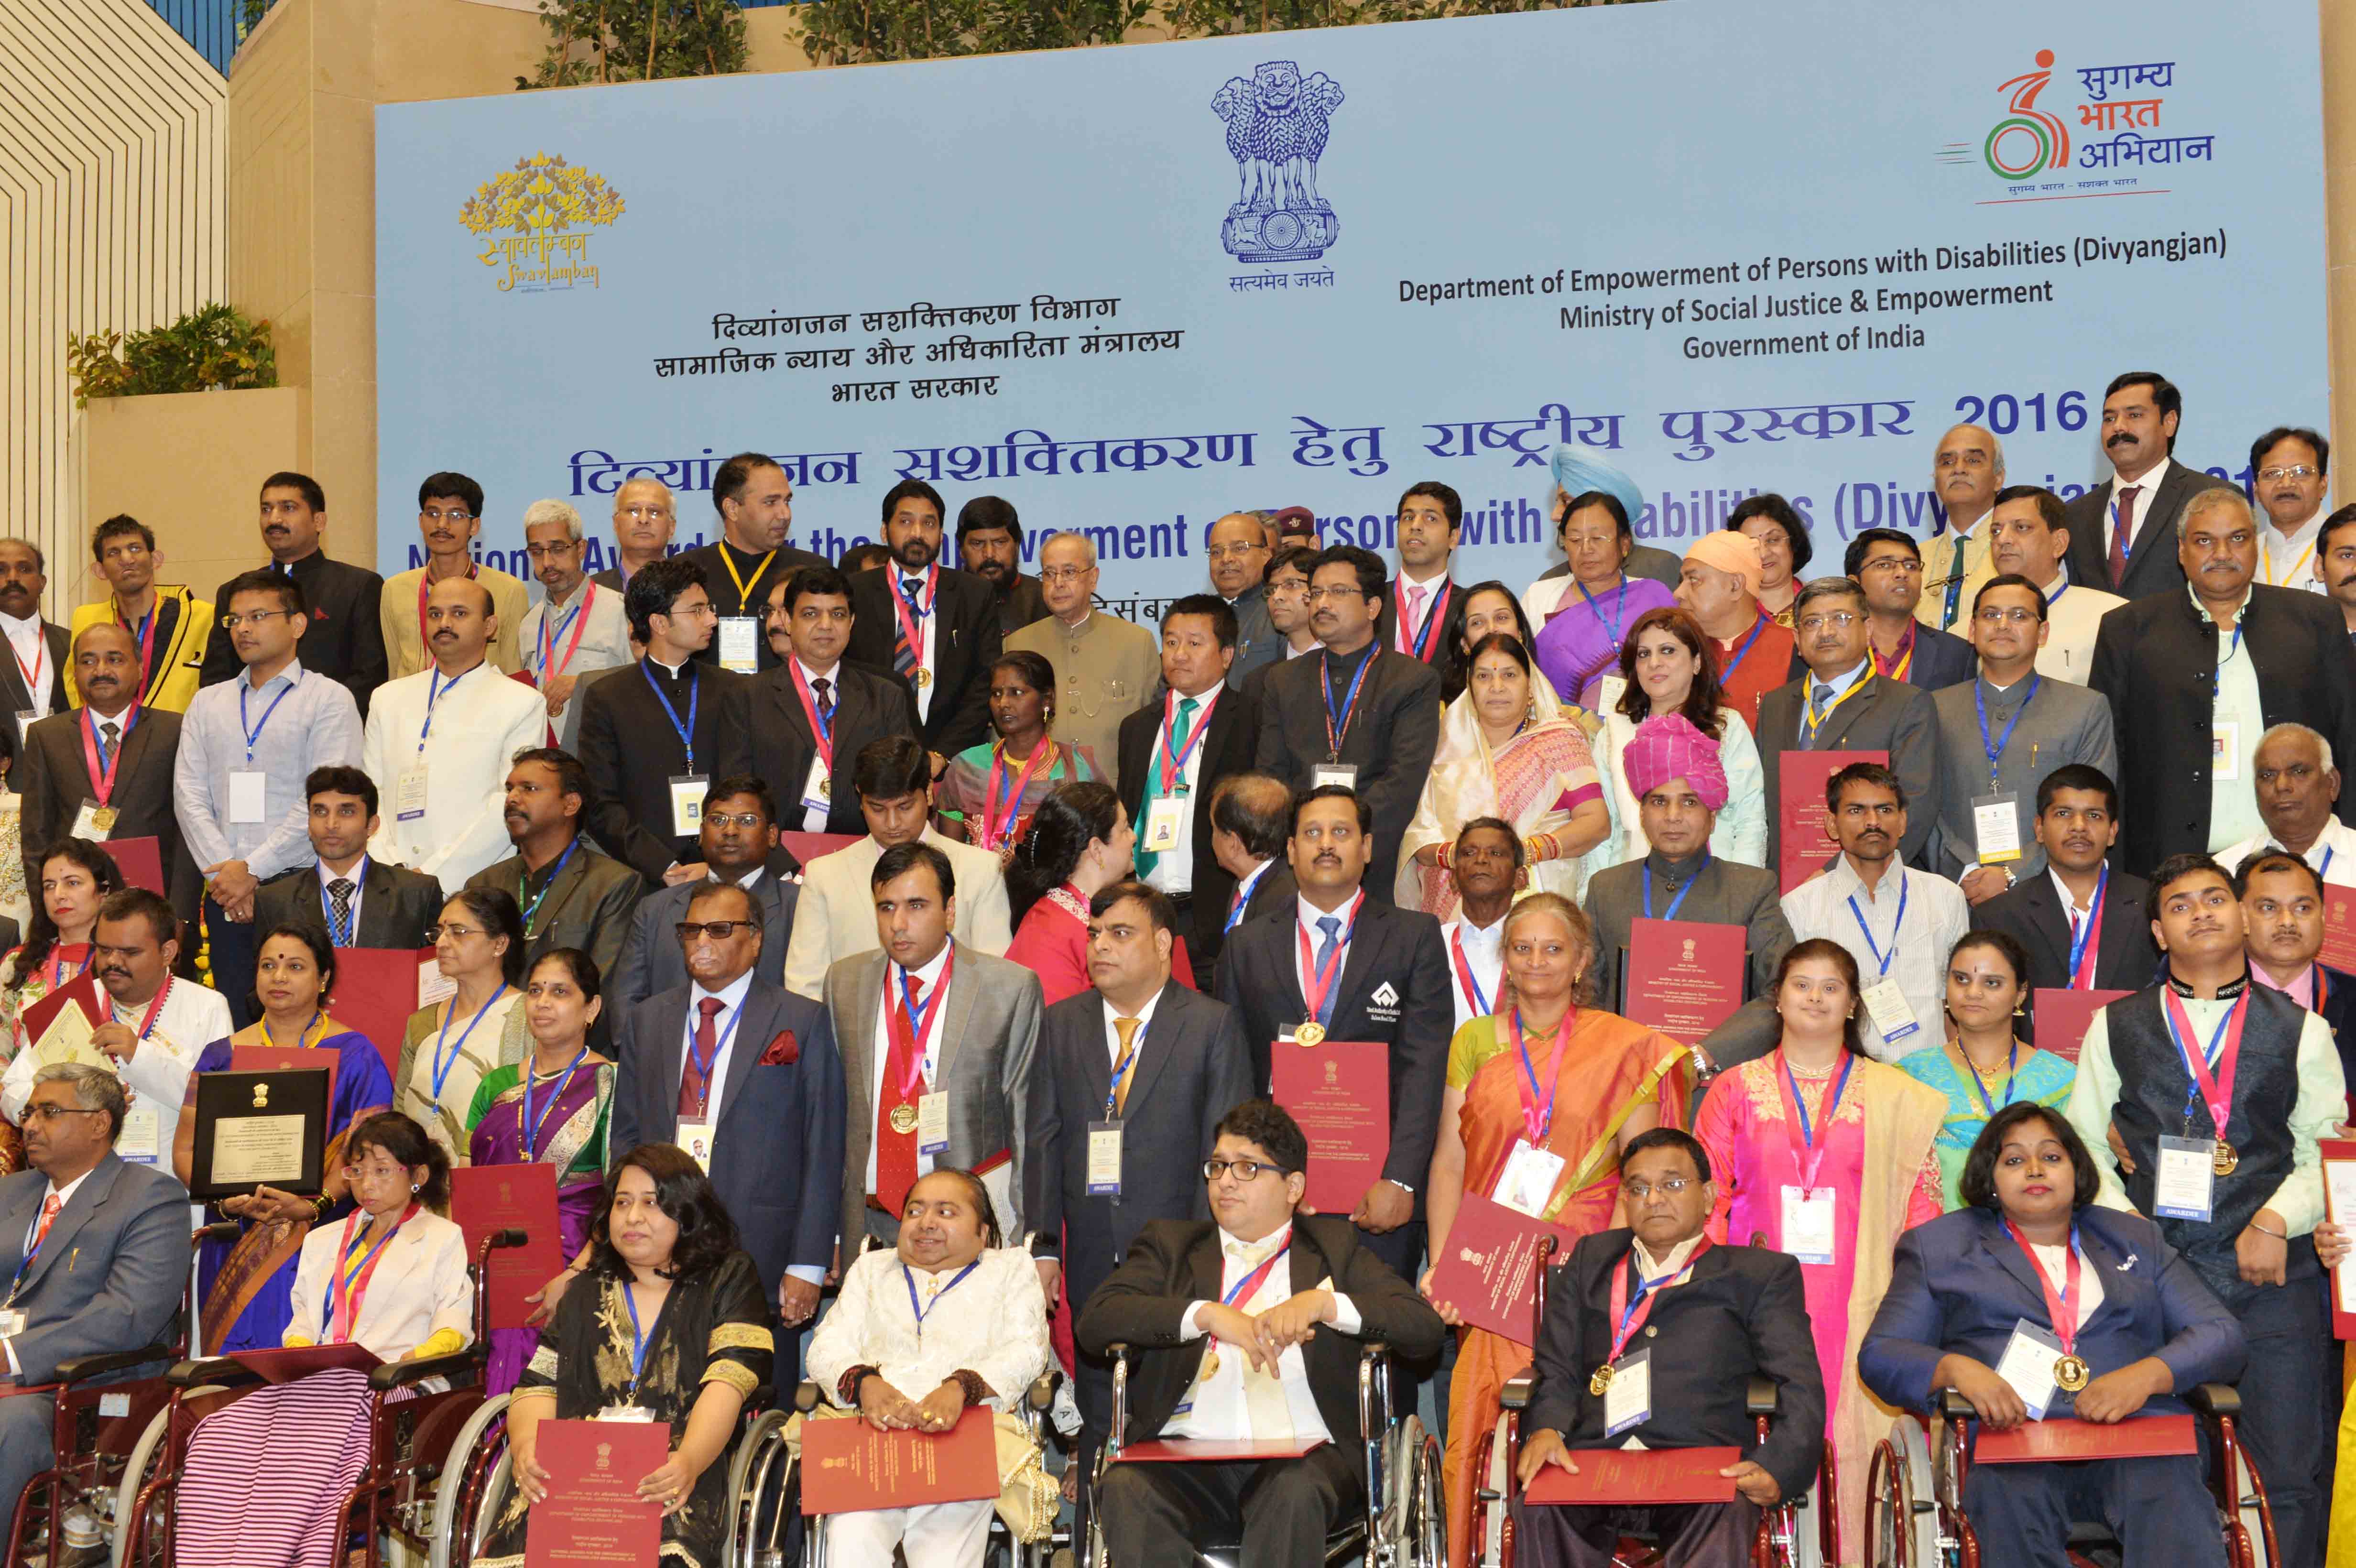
point(532, 219)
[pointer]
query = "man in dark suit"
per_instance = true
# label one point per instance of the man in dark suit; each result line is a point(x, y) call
point(746, 1077)
point(1844, 705)
point(1171, 754)
point(1251, 819)
point(2077, 823)
point(1163, 1082)
point(2195, 678)
point(1237, 549)
point(35, 687)
point(990, 545)
point(1355, 713)
point(109, 756)
point(934, 625)
point(755, 503)
point(345, 639)
point(349, 898)
point(1710, 1319)
point(814, 705)
point(1376, 973)
point(2144, 496)
point(1424, 593)
point(652, 738)
point(739, 847)
point(1211, 1308)
point(570, 895)
point(1888, 565)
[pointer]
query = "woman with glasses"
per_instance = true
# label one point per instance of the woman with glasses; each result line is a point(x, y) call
point(247, 1287)
point(552, 1107)
point(75, 877)
point(1541, 1097)
point(1983, 1066)
point(990, 791)
point(1784, 550)
point(1580, 646)
point(450, 1047)
point(1663, 669)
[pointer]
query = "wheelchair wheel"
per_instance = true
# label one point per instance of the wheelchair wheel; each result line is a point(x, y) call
point(455, 1539)
point(2255, 1521)
point(1496, 1475)
point(759, 1480)
point(1803, 1548)
point(1901, 1513)
point(1410, 1529)
point(140, 1467)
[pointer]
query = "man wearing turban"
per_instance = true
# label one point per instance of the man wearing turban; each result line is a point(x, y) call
point(1719, 586)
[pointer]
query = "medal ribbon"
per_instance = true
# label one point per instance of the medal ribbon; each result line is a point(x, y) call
point(578, 619)
point(442, 1068)
point(999, 816)
point(1809, 1157)
point(2086, 945)
point(2058, 1307)
point(1881, 957)
point(1896, 668)
point(1336, 729)
point(347, 1287)
point(103, 778)
point(57, 955)
point(1632, 1307)
point(908, 622)
point(1464, 973)
point(40, 657)
point(1536, 1123)
point(2215, 1089)
point(686, 731)
point(909, 1277)
point(155, 1008)
point(824, 729)
point(1174, 760)
point(1249, 1286)
point(1995, 749)
point(1677, 902)
point(1438, 612)
point(1320, 981)
point(918, 1027)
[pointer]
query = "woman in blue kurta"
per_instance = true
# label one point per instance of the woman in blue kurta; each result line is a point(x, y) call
point(1985, 1067)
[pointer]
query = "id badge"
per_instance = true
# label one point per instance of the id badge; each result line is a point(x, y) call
point(2027, 1365)
point(1528, 1180)
point(687, 793)
point(2225, 751)
point(409, 794)
point(1627, 1402)
point(637, 1412)
point(142, 1142)
point(1808, 1221)
point(1615, 687)
point(2185, 1185)
point(695, 1137)
point(1163, 819)
point(249, 797)
point(1343, 773)
point(12, 1322)
point(93, 821)
point(1104, 1160)
point(740, 643)
point(817, 790)
point(1887, 1005)
point(1996, 823)
point(933, 1123)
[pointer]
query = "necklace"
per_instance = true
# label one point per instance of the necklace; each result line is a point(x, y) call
point(1813, 1075)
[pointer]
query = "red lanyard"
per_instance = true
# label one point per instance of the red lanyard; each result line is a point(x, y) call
point(40, 657)
point(549, 667)
point(2062, 1309)
point(1422, 639)
point(2086, 941)
point(997, 823)
point(1317, 983)
point(1539, 1122)
point(154, 1007)
point(1627, 1316)
point(102, 779)
point(823, 731)
point(424, 592)
point(902, 1017)
point(1249, 1286)
point(1174, 760)
point(347, 1288)
point(900, 606)
point(58, 956)
point(2214, 1088)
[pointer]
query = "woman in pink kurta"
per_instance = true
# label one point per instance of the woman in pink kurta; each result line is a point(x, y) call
point(1817, 1116)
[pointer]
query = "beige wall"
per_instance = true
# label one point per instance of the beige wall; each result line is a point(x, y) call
point(200, 500)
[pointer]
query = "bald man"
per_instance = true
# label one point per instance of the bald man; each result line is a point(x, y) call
point(1238, 549)
point(1106, 667)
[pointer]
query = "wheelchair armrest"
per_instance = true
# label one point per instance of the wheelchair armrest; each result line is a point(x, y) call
point(1956, 1407)
point(217, 1369)
point(1762, 1397)
point(2215, 1399)
point(402, 1374)
point(763, 1396)
point(1374, 1350)
point(1116, 1352)
point(1515, 1394)
point(219, 1231)
point(808, 1397)
point(82, 1368)
point(1041, 1396)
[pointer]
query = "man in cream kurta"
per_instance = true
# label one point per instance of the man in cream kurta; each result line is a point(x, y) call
point(1105, 668)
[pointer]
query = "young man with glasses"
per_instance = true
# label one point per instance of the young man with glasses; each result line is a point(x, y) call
point(449, 517)
point(740, 849)
point(1105, 667)
point(1888, 565)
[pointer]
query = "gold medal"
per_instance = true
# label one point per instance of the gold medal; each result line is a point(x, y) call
point(1601, 1381)
point(102, 818)
point(904, 1118)
point(1310, 1033)
point(2071, 1372)
point(2222, 1158)
point(1210, 1364)
point(924, 676)
point(826, 789)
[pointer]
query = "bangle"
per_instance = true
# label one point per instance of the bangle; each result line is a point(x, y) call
point(2261, 1230)
point(846, 1388)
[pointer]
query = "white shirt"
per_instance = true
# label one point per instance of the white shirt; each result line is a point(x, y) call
point(2146, 488)
point(1841, 685)
point(993, 1323)
point(64, 1195)
point(895, 581)
point(155, 1079)
point(1173, 872)
point(724, 1026)
point(1292, 652)
point(2073, 614)
point(814, 816)
point(604, 629)
point(1484, 953)
point(1216, 1407)
point(2334, 850)
point(32, 650)
point(2288, 559)
point(481, 721)
point(358, 877)
point(1144, 1017)
point(1936, 918)
point(420, 1286)
point(2239, 717)
point(930, 998)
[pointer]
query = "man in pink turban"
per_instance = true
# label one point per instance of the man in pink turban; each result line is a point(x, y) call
point(1719, 585)
point(1669, 747)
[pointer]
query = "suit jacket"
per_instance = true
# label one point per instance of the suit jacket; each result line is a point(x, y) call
point(396, 904)
point(588, 906)
point(2061, 725)
point(54, 777)
point(836, 915)
point(1176, 1262)
point(870, 705)
point(1941, 659)
point(2156, 659)
point(776, 1155)
point(1191, 1069)
point(1393, 950)
point(18, 699)
point(184, 628)
point(631, 752)
point(1257, 641)
point(2152, 566)
point(1743, 1313)
point(966, 641)
point(1021, 603)
point(1275, 889)
point(1960, 1283)
point(110, 1273)
point(1442, 646)
point(1393, 735)
point(2030, 912)
point(983, 1049)
point(345, 638)
point(786, 560)
point(651, 961)
point(1728, 893)
point(1890, 716)
point(1226, 748)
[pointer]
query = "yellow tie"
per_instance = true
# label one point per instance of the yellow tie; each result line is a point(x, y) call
point(1265, 1405)
point(1128, 1027)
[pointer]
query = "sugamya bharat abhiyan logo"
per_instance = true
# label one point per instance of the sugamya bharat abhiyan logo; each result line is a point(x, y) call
point(1277, 123)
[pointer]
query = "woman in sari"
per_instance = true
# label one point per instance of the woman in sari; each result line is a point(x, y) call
point(663, 1260)
point(1606, 1080)
point(1667, 670)
point(1784, 550)
point(1580, 646)
point(247, 1286)
point(552, 1107)
point(1506, 751)
point(1985, 1067)
point(990, 791)
point(1817, 1116)
point(75, 877)
point(449, 1048)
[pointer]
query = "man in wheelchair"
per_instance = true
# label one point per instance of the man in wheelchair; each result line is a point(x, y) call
point(1246, 1328)
point(1650, 1337)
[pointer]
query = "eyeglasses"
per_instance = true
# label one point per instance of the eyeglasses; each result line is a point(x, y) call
point(1064, 573)
point(1841, 620)
point(2295, 471)
point(703, 609)
point(740, 819)
point(460, 516)
point(454, 931)
point(1897, 563)
point(1996, 615)
point(1245, 1169)
point(562, 547)
point(253, 618)
point(718, 930)
point(643, 513)
point(1638, 1192)
point(51, 1113)
point(1232, 552)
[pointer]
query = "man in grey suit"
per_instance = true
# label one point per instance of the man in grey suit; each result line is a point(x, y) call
point(1841, 705)
point(740, 847)
point(570, 895)
point(128, 1224)
point(2000, 734)
point(937, 1044)
point(349, 898)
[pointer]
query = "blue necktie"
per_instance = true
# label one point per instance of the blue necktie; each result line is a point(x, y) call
point(1332, 926)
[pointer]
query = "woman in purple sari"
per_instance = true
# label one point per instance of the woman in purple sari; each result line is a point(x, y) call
point(1578, 647)
point(554, 1108)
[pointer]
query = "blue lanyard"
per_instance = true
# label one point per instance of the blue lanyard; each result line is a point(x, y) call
point(548, 640)
point(1878, 956)
point(703, 1064)
point(1253, 1279)
point(1743, 652)
point(638, 1338)
point(909, 1277)
point(1619, 604)
point(1677, 902)
point(1807, 1132)
point(532, 908)
point(2055, 597)
point(340, 1285)
point(919, 1019)
point(1335, 730)
point(32, 1247)
point(530, 1126)
point(1995, 749)
point(1530, 1072)
point(434, 690)
point(1243, 896)
point(2321, 871)
point(253, 733)
point(2217, 677)
point(2011, 1066)
point(694, 695)
point(2085, 932)
point(442, 1068)
point(1123, 1067)
point(341, 935)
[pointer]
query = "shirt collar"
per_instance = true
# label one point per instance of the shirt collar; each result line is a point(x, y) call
point(2225, 993)
point(357, 875)
point(2055, 589)
point(65, 1194)
point(1144, 1015)
point(292, 675)
point(751, 879)
point(1231, 1244)
point(674, 671)
point(2240, 609)
point(1972, 530)
point(1485, 936)
point(1311, 915)
point(2062, 892)
point(1678, 1254)
point(2146, 487)
point(28, 626)
point(1251, 878)
point(1841, 683)
point(2297, 537)
point(2300, 985)
point(1677, 870)
point(1409, 578)
point(1844, 880)
point(826, 673)
point(929, 975)
point(733, 994)
point(579, 595)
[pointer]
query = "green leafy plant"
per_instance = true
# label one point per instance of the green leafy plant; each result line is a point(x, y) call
point(215, 347)
point(595, 41)
point(859, 32)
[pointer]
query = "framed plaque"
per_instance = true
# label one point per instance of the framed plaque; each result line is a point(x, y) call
point(259, 1127)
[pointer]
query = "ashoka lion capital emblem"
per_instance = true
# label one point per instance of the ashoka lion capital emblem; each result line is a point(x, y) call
point(1276, 123)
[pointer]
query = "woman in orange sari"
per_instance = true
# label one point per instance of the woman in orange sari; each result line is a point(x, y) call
point(1542, 1096)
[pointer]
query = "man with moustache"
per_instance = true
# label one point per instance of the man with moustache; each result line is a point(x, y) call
point(2282, 916)
point(2082, 923)
point(1967, 473)
point(2297, 786)
point(1236, 549)
point(37, 687)
point(2292, 466)
point(438, 742)
point(578, 627)
point(449, 517)
point(815, 711)
point(755, 503)
point(2122, 530)
point(2196, 675)
point(740, 848)
point(2335, 562)
point(990, 545)
point(1414, 621)
point(344, 603)
point(1105, 668)
point(347, 896)
point(645, 517)
point(2029, 536)
point(1488, 867)
point(570, 895)
point(1718, 585)
point(935, 626)
point(171, 626)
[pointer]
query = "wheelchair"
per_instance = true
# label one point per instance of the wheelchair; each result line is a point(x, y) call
point(1915, 1490)
point(1405, 1524)
point(1785, 1537)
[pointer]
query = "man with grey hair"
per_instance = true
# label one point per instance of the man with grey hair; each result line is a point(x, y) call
point(1965, 474)
point(449, 517)
point(645, 516)
point(1105, 667)
point(2195, 677)
point(578, 627)
point(95, 1250)
point(1237, 548)
point(2297, 786)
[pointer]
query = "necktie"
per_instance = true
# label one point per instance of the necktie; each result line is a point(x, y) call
point(49, 1214)
point(823, 691)
point(1954, 587)
point(111, 736)
point(896, 1151)
point(1128, 1027)
point(1332, 926)
point(903, 653)
point(694, 1088)
point(1414, 611)
point(339, 892)
point(1269, 1413)
point(1147, 859)
point(2121, 534)
point(1818, 695)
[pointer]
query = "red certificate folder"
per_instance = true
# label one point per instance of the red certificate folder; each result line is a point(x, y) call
point(2339, 928)
point(1802, 844)
point(2340, 1207)
point(1213, 1451)
point(848, 1467)
point(285, 1059)
point(2062, 1017)
point(301, 1361)
point(1683, 978)
point(592, 1514)
point(808, 847)
point(1612, 1476)
point(1490, 1273)
point(375, 992)
point(141, 862)
point(1340, 1093)
point(2140, 1437)
point(81, 991)
point(487, 1198)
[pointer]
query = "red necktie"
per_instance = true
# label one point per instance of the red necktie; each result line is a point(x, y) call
point(694, 1088)
point(896, 1151)
point(2121, 534)
point(41, 1233)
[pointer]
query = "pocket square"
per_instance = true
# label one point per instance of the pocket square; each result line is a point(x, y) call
point(784, 1051)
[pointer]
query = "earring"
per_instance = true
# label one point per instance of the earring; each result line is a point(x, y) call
point(413, 1190)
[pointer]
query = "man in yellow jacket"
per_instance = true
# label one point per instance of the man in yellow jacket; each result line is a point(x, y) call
point(169, 623)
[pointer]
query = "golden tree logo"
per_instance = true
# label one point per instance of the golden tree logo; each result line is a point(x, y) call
point(532, 221)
